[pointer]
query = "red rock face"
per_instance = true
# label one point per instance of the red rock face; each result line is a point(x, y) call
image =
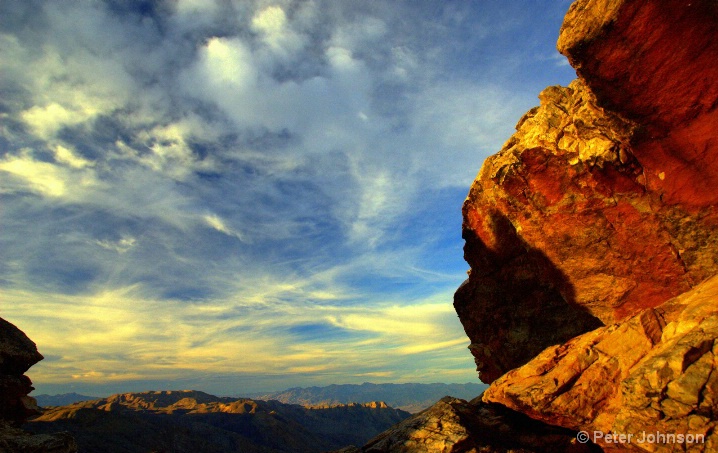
point(603, 203)
point(655, 63)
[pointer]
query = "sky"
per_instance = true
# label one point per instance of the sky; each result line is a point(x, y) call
point(250, 195)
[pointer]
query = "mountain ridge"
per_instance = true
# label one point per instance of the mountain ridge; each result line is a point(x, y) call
point(411, 397)
point(190, 421)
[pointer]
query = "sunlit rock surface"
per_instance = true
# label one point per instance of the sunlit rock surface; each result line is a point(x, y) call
point(654, 372)
point(603, 203)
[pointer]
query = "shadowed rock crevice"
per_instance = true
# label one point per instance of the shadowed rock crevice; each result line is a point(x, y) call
point(515, 302)
point(564, 221)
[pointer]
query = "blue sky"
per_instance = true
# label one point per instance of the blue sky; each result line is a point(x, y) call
point(239, 196)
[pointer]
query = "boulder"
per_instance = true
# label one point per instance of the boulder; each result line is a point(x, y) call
point(15, 440)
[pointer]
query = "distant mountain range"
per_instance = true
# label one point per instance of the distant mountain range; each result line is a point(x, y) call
point(193, 421)
point(409, 397)
point(46, 400)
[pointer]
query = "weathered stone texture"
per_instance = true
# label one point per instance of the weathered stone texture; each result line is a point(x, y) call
point(655, 372)
point(603, 203)
point(453, 425)
point(17, 354)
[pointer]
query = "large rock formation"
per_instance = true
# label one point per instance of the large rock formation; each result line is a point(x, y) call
point(17, 354)
point(603, 203)
point(655, 372)
point(592, 236)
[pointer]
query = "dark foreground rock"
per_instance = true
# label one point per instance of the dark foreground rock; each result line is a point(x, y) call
point(457, 426)
point(17, 354)
point(15, 440)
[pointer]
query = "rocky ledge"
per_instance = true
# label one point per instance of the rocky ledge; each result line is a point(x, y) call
point(654, 372)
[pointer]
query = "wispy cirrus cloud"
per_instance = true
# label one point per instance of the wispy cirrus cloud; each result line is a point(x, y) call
point(241, 188)
point(121, 335)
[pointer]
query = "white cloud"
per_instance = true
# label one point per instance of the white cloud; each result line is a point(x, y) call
point(121, 246)
point(45, 178)
point(45, 121)
point(276, 32)
point(218, 224)
point(66, 156)
point(313, 132)
point(227, 62)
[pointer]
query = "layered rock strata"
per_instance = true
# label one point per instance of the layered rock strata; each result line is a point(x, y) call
point(603, 203)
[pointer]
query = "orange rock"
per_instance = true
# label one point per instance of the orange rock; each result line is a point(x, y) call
point(604, 201)
point(655, 63)
point(657, 371)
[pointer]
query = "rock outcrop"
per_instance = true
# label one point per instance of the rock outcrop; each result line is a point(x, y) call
point(592, 300)
point(457, 426)
point(603, 203)
point(592, 236)
point(17, 354)
point(655, 372)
